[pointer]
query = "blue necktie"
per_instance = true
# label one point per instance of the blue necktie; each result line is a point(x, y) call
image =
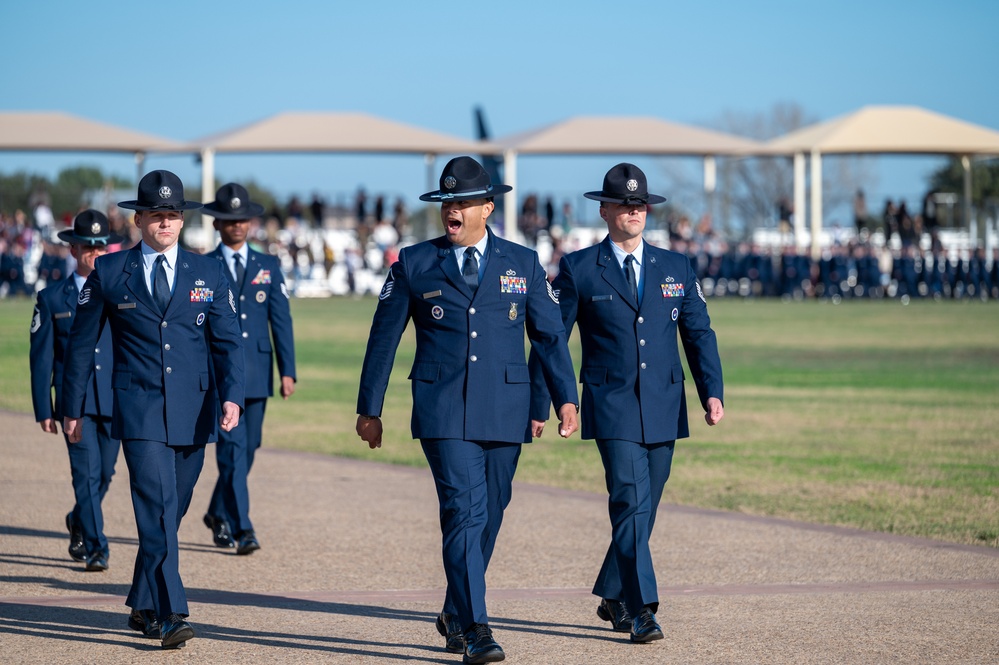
point(161, 287)
point(470, 269)
point(629, 275)
point(240, 271)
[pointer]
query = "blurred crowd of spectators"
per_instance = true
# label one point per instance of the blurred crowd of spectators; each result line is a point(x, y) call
point(338, 250)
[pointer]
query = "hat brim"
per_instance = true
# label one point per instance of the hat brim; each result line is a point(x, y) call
point(600, 196)
point(492, 190)
point(183, 205)
point(249, 212)
point(73, 239)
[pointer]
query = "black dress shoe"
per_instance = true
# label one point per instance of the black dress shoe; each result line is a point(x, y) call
point(248, 543)
point(221, 533)
point(450, 630)
point(644, 628)
point(174, 631)
point(617, 613)
point(480, 647)
point(144, 621)
point(97, 562)
point(77, 549)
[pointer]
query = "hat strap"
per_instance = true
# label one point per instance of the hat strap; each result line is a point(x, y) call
point(448, 197)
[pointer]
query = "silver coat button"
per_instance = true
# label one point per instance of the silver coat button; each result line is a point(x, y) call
point(242, 297)
point(471, 311)
point(97, 350)
point(473, 358)
point(242, 316)
point(169, 370)
point(246, 334)
point(474, 334)
point(163, 325)
point(641, 342)
point(643, 365)
point(97, 367)
point(641, 319)
point(166, 346)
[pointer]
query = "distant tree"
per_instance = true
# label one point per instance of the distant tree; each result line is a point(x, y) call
point(17, 189)
point(984, 183)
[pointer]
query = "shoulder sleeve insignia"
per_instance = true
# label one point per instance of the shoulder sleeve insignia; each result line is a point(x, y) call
point(552, 293)
point(388, 285)
point(232, 302)
point(84, 296)
point(700, 293)
point(36, 321)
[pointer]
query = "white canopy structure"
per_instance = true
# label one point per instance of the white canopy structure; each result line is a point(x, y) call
point(329, 132)
point(49, 131)
point(620, 135)
point(878, 130)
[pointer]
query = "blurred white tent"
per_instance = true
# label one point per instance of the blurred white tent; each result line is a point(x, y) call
point(48, 131)
point(618, 135)
point(878, 130)
point(329, 132)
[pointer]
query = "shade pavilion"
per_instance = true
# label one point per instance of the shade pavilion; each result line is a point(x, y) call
point(878, 130)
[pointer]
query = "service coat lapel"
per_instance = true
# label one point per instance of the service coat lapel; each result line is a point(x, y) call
point(613, 274)
point(136, 280)
point(71, 293)
point(495, 266)
point(252, 268)
point(183, 283)
point(449, 266)
point(653, 274)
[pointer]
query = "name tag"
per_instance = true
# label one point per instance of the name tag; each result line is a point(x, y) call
point(63, 315)
point(599, 298)
point(126, 305)
point(431, 294)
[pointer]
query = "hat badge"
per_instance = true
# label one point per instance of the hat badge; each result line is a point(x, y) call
point(165, 192)
point(95, 228)
point(450, 182)
point(234, 202)
point(632, 185)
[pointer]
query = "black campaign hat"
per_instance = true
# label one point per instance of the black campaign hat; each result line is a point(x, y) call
point(160, 190)
point(232, 202)
point(90, 228)
point(625, 183)
point(464, 179)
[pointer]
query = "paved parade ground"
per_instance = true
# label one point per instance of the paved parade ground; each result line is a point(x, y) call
point(350, 572)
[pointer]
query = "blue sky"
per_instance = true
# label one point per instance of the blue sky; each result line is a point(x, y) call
point(186, 69)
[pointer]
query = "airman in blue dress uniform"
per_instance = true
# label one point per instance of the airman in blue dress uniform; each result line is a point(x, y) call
point(471, 296)
point(93, 458)
point(262, 307)
point(178, 352)
point(630, 300)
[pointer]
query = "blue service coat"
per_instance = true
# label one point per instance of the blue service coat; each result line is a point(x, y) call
point(166, 366)
point(262, 307)
point(470, 378)
point(631, 371)
point(53, 318)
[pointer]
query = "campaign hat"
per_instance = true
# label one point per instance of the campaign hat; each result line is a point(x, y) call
point(160, 190)
point(464, 179)
point(232, 202)
point(90, 227)
point(625, 183)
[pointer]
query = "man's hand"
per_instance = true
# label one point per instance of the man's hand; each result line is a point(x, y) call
point(568, 422)
point(287, 387)
point(370, 430)
point(537, 427)
point(230, 416)
point(73, 428)
point(49, 425)
point(715, 411)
